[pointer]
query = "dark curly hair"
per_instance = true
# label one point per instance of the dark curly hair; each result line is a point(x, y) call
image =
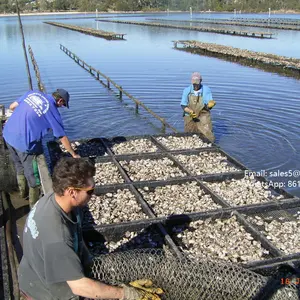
point(71, 172)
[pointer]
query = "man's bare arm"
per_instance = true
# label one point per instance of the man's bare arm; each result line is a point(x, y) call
point(66, 143)
point(86, 287)
point(13, 105)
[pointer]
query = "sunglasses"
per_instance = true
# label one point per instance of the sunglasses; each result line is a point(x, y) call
point(89, 191)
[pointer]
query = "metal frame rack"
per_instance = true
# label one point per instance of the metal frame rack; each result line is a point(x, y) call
point(163, 224)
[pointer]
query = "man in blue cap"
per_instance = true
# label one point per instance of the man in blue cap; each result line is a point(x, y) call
point(34, 114)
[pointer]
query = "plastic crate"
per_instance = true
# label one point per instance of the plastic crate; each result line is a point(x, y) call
point(157, 156)
point(121, 140)
point(254, 235)
point(202, 139)
point(55, 151)
point(228, 160)
point(172, 187)
point(276, 192)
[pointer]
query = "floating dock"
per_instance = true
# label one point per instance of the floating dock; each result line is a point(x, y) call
point(90, 31)
point(255, 21)
point(270, 20)
point(262, 35)
point(231, 23)
point(154, 169)
point(269, 62)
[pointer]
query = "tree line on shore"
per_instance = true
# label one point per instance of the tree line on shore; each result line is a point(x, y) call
point(9, 6)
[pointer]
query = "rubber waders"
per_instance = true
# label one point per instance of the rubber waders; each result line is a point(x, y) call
point(34, 195)
point(22, 182)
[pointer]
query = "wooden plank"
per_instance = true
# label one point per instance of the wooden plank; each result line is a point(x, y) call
point(45, 177)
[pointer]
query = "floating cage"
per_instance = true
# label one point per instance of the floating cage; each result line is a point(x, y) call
point(158, 170)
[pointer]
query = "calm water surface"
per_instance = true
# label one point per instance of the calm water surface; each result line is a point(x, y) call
point(256, 118)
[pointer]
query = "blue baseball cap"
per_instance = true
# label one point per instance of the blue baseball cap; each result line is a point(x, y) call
point(65, 95)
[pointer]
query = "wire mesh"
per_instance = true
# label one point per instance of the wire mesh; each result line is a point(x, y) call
point(185, 279)
point(281, 227)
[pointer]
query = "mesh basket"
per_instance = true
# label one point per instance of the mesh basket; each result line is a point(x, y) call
point(189, 280)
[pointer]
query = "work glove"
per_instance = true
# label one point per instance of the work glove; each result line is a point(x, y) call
point(141, 290)
point(194, 117)
point(211, 104)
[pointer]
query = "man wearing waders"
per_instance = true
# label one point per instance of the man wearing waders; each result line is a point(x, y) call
point(197, 102)
point(34, 114)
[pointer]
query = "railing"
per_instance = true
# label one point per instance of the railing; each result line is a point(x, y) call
point(110, 82)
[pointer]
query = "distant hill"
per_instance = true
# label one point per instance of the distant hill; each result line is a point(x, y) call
point(8, 6)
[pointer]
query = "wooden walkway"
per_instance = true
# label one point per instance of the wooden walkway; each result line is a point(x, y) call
point(98, 33)
point(232, 23)
point(271, 20)
point(261, 35)
point(256, 21)
point(269, 62)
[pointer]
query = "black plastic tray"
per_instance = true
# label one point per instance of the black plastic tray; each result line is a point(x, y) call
point(96, 239)
point(266, 266)
point(237, 176)
point(153, 156)
point(283, 264)
point(153, 184)
point(273, 251)
point(183, 134)
point(225, 212)
point(109, 159)
point(178, 150)
point(99, 191)
point(112, 159)
point(225, 208)
point(56, 153)
point(114, 231)
point(240, 168)
point(173, 220)
point(110, 142)
point(280, 216)
point(283, 261)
